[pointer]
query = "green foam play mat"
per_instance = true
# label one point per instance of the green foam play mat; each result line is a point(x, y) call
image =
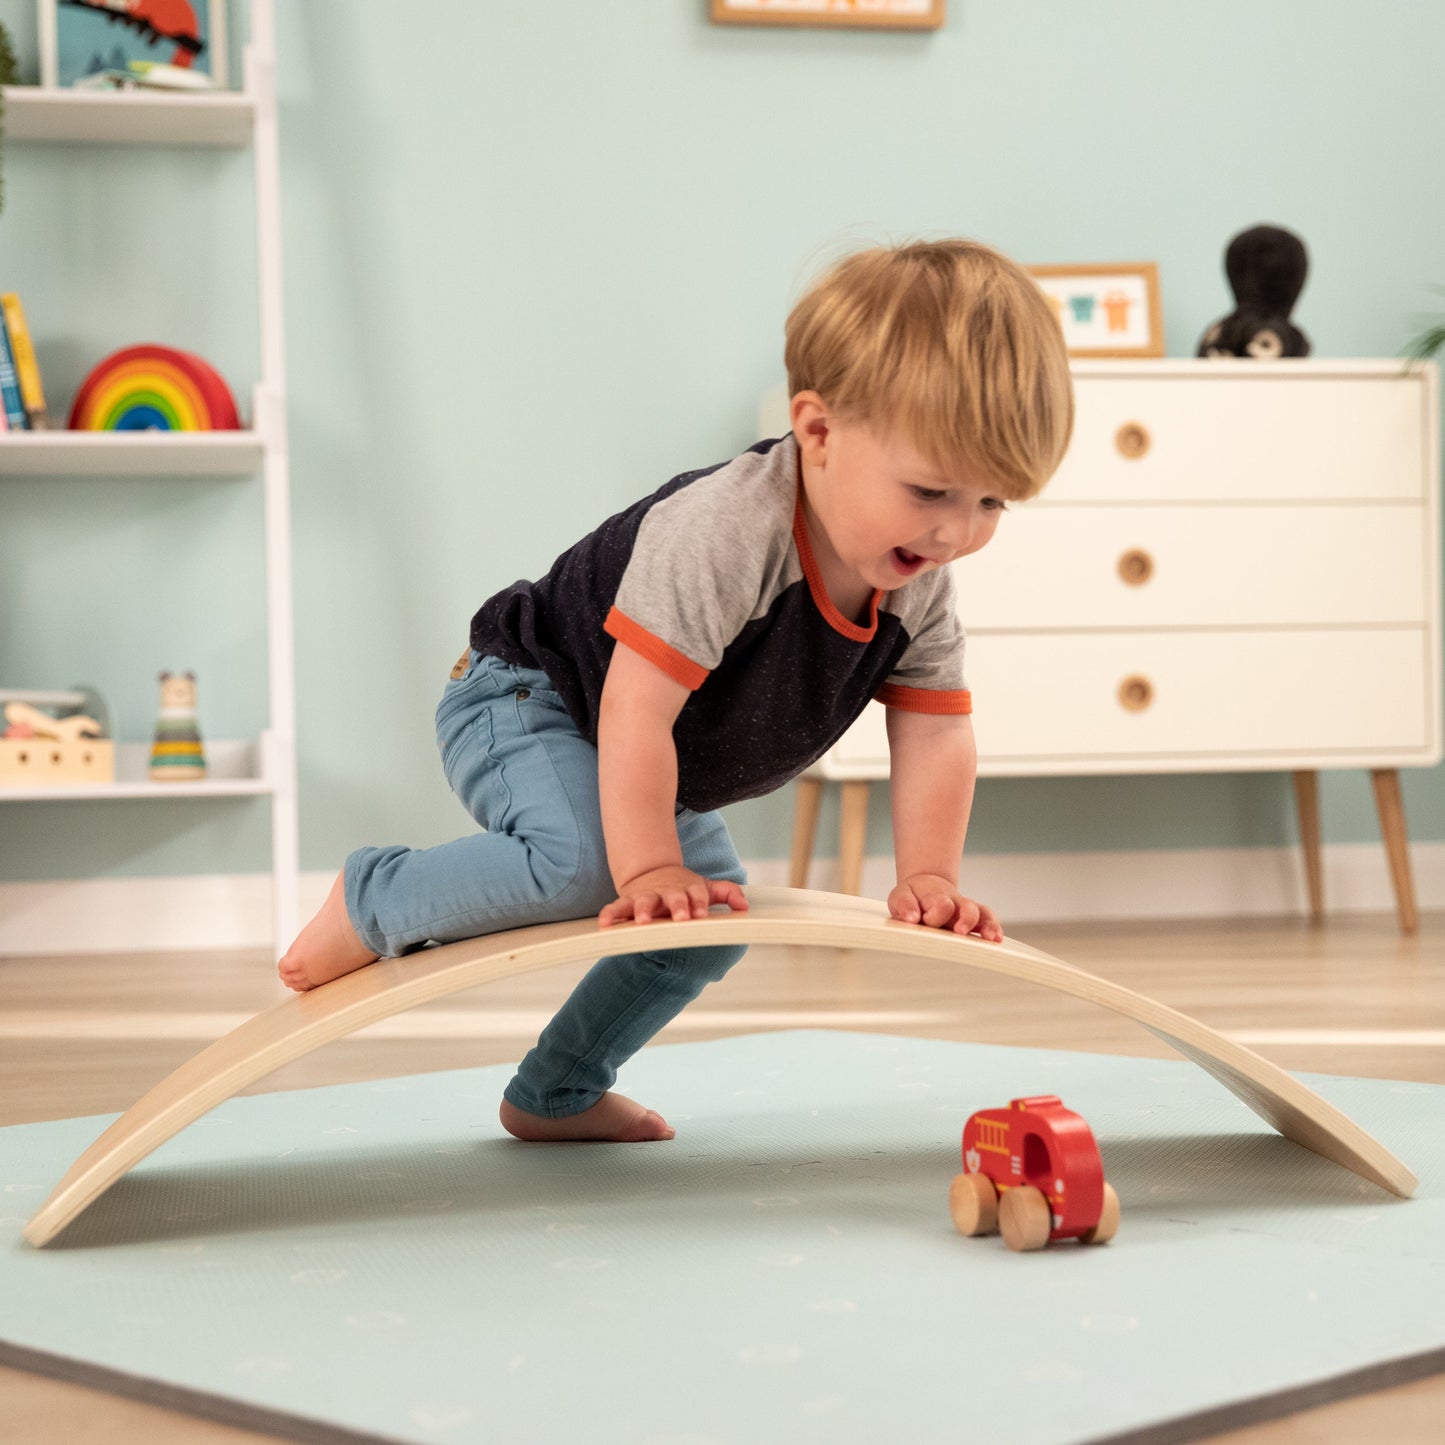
point(380, 1262)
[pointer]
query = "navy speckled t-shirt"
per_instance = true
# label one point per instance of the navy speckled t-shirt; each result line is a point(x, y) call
point(712, 579)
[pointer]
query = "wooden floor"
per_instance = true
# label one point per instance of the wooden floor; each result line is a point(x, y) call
point(89, 1034)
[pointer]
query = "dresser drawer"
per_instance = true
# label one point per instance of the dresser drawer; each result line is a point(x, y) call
point(1225, 566)
point(1199, 695)
point(1266, 435)
point(1074, 702)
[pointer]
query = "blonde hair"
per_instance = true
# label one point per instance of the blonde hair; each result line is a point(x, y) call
point(948, 343)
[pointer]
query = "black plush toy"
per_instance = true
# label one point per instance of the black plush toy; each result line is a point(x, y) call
point(1266, 267)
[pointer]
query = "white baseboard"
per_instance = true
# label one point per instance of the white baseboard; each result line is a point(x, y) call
point(122, 915)
point(1162, 883)
point(133, 915)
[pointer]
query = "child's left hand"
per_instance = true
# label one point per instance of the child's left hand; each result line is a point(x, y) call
point(937, 903)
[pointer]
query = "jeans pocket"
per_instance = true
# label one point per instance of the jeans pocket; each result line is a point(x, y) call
point(472, 768)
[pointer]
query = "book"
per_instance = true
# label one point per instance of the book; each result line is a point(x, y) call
point(10, 402)
point(27, 371)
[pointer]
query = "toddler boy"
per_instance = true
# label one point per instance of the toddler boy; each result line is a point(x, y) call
point(709, 643)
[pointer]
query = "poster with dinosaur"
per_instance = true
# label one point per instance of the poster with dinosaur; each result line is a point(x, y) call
point(82, 38)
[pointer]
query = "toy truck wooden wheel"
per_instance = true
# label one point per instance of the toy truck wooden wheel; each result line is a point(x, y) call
point(1108, 1225)
point(1024, 1218)
point(973, 1203)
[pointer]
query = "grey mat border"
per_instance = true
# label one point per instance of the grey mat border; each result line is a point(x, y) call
point(223, 1409)
point(306, 1430)
point(1258, 1409)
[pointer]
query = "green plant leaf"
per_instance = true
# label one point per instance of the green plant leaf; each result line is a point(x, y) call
point(1424, 346)
point(7, 77)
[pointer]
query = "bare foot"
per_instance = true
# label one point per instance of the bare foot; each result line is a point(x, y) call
point(326, 948)
point(612, 1118)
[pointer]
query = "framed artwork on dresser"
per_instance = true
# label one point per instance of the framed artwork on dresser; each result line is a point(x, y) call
point(874, 14)
point(1106, 309)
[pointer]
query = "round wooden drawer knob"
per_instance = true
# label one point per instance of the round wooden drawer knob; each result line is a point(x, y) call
point(1135, 693)
point(1132, 439)
point(1136, 567)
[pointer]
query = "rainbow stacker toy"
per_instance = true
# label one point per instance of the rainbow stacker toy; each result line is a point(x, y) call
point(154, 388)
point(1033, 1172)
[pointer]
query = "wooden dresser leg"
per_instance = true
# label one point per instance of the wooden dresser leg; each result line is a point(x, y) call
point(1307, 803)
point(853, 837)
point(806, 802)
point(1391, 809)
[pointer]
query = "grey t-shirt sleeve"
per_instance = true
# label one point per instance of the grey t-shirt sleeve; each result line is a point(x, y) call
point(933, 660)
point(705, 562)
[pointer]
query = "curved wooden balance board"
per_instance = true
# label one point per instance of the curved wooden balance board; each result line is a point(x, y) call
point(776, 915)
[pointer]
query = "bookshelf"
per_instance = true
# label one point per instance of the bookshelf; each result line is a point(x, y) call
point(235, 768)
point(249, 767)
point(130, 454)
point(33, 113)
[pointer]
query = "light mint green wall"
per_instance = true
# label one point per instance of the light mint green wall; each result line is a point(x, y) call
point(537, 259)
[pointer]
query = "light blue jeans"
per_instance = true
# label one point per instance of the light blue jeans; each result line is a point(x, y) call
point(515, 759)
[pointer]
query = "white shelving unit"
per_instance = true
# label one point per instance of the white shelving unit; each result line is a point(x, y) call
point(33, 113)
point(130, 454)
point(234, 769)
point(264, 766)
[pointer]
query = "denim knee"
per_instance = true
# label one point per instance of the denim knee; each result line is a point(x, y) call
point(715, 963)
point(587, 888)
point(694, 968)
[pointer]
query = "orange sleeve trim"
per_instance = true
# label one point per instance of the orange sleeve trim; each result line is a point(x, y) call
point(678, 667)
point(920, 699)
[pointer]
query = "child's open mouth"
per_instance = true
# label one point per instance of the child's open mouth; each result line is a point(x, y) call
point(907, 562)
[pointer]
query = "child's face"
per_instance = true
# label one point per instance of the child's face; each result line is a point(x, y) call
point(887, 512)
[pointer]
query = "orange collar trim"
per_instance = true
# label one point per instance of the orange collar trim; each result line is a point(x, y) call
point(851, 630)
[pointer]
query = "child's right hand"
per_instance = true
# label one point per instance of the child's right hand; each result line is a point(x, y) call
point(673, 892)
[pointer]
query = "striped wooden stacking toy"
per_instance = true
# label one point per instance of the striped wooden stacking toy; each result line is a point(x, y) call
point(177, 755)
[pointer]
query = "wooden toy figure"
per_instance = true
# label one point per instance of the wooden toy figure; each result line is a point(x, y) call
point(1033, 1172)
point(176, 753)
point(24, 721)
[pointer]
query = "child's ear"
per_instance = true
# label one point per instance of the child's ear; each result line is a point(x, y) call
point(812, 425)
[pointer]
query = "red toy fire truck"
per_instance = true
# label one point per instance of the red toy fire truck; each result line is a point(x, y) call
point(1033, 1172)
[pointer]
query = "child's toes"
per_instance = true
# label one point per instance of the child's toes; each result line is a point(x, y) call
point(292, 976)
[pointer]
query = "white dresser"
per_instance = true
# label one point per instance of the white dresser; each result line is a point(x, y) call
point(1236, 568)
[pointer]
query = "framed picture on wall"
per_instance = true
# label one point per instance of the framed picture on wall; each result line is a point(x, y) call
point(877, 14)
point(1109, 309)
point(86, 38)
